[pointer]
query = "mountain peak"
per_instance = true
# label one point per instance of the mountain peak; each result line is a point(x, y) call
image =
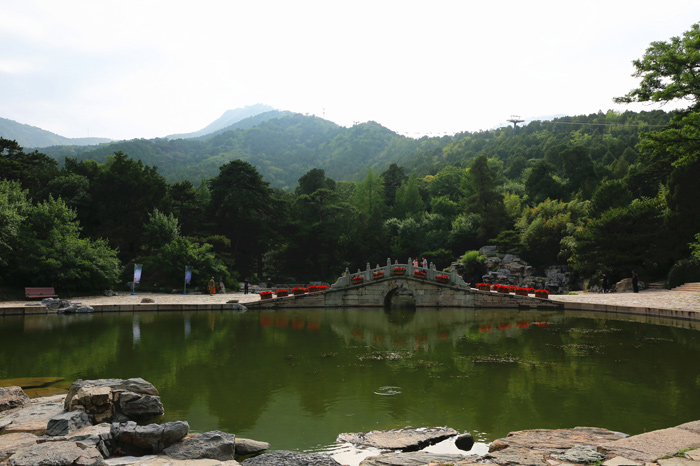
point(229, 118)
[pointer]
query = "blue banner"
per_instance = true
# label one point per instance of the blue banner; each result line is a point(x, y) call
point(137, 272)
point(188, 274)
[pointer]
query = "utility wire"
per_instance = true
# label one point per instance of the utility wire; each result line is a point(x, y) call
point(597, 124)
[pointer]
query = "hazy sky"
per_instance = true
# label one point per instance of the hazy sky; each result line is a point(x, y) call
point(128, 69)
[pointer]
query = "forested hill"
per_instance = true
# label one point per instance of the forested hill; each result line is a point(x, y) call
point(282, 149)
point(32, 137)
point(582, 149)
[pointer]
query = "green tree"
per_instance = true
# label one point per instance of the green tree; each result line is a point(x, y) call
point(543, 227)
point(669, 71)
point(160, 230)
point(622, 239)
point(408, 199)
point(14, 207)
point(32, 170)
point(540, 183)
point(609, 194)
point(451, 181)
point(393, 177)
point(316, 226)
point(486, 200)
point(53, 253)
point(695, 247)
point(124, 193)
point(187, 207)
point(244, 210)
point(368, 200)
point(166, 267)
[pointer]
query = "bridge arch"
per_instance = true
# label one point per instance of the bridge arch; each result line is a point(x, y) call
point(399, 296)
point(376, 287)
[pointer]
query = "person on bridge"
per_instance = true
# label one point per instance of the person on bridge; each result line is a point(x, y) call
point(425, 263)
point(415, 262)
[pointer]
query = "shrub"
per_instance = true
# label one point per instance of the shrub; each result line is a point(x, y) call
point(684, 271)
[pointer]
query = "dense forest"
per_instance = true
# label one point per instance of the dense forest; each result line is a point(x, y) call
point(295, 198)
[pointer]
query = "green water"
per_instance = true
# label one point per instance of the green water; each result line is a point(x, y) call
point(299, 378)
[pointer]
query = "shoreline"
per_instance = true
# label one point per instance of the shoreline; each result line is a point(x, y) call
point(679, 305)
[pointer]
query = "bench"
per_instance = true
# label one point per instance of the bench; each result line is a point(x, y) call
point(40, 292)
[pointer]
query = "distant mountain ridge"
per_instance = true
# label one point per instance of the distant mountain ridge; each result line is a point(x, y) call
point(229, 118)
point(32, 137)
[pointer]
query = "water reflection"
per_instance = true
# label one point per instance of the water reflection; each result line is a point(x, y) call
point(136, 330)
point(297, 378)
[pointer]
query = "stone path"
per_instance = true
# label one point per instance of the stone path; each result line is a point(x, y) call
point(658, 299)
point(160, 298)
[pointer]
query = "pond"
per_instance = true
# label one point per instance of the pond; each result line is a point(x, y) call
point(298, 378)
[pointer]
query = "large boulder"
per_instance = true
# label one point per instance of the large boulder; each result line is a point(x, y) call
point(290, 458)
point(66, 423)
point(57, 454)
point(213, 445)
point(399, 439)
point(107, 400)
point(12, 397)
point(131, 439)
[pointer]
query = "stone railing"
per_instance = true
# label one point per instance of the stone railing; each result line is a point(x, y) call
point(388, 271)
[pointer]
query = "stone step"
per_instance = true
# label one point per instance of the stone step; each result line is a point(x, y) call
point(693, 287)
point(656, 285)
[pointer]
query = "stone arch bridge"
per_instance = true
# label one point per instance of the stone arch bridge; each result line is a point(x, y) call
point(376, 287)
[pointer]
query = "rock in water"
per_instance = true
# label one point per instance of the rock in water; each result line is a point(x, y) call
point(399, 439)
point(245, 447)
point(290, 458)
point(464, 442)
point(214, 445)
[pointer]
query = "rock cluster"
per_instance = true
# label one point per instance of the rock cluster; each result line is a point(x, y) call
point(95, 424)
point(64, 306)
point(509, 269)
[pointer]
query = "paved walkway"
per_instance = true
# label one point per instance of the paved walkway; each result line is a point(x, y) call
point(657, 299)
point(661, 299)
point(159, 298)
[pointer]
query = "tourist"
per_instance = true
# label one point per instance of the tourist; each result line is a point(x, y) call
point(415, 262)
point(245, 286)
point(212, 286)
point(606, 283)
point(425, 263)
point(635, 282)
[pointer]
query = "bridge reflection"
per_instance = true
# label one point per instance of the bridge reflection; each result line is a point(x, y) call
point(407, 329)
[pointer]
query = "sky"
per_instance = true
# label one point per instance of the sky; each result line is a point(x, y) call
point(129, 69)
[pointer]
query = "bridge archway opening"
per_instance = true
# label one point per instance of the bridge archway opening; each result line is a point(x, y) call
point(400, 305)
